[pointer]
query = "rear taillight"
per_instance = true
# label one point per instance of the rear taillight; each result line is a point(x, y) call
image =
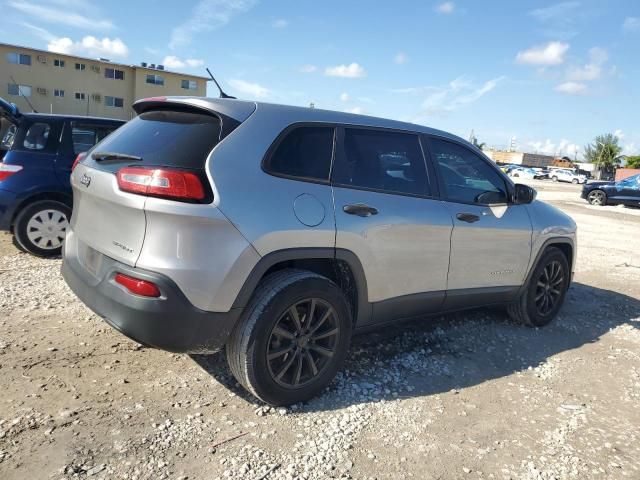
point(161, 182)
point(7, 170)
point(137, 286)
point(78, 159)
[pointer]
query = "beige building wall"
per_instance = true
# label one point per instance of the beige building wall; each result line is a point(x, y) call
point(44, 78)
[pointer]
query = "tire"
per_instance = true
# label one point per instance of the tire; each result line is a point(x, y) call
point(554, 178)
point(529, 309)
point(49, 218)
point(575, 181)
point(267, 329)
point(597, 197)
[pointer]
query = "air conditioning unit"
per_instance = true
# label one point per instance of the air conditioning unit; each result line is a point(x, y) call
point(41, 91)
point(42, 58)
point(96, 97)
point(95, 68)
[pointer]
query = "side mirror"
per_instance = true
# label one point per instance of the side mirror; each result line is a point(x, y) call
point(523, 194)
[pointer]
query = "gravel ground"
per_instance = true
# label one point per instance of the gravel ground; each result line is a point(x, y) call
point(461, 396)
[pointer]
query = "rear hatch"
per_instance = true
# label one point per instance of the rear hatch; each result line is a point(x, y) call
point(111, 184)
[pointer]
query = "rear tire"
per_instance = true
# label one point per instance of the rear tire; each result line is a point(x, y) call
point(575, 181)
point(40, 227)
point(292, 339)
point(554, 178)
point(544, 294)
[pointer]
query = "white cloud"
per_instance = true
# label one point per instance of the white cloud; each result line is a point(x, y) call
point(592, 70)
point(60, 16)
point(564, 148)
point(280, 23)
point(308, 68)
point(90, 46)
point(446, 8)
point(561, 19)
point(207, 15)
point(619, 133)
point(352, 70)
point(457, 94)
point(39, 31)
point(356, 110)
point(631, 24)
point(572, 88)
point(345, 97)
point(550, 54)
point(630, 149)
point(400, 58)
point(172, 61)
point(253, 90)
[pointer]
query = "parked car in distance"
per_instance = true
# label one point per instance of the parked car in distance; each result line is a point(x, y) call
point(564, 175)
point(528, 173)
point(38, 154)
point(277, 232)
point(623, 192)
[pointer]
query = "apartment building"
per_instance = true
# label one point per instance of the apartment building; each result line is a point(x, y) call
point(52, 82)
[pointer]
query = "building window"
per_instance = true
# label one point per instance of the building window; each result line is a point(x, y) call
point(80, 96)
point(18, 58)
point(58, 63)
point(113, 73)
point(19, 90)
point(155, 79)
point(58, 93)
point(80, 66)
point(189, 84)
point(113, 102)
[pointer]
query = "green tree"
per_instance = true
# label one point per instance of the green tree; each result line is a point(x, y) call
point(633, 161)
point(477, 144)
point(604, 152)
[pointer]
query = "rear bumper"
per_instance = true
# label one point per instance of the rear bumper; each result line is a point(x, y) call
point(170, 322)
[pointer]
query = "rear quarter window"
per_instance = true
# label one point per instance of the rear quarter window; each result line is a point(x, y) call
point(303, 153)
point(179, 139)
point(36, 136)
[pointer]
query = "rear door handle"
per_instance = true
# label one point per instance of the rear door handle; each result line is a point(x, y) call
point(468, 217)
point(360, 209)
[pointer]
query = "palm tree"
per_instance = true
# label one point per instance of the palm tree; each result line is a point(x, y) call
point(604, 152)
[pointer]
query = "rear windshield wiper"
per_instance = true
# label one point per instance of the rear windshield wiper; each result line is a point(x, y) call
point(105, 156)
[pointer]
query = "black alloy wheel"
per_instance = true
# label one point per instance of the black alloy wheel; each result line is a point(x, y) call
point(302, 343)
point(549, 287)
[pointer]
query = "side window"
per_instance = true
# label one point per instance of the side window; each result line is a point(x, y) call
point(83, 137)
point(305, 152)
point(380, 160)
point(36, 137)
point(467, 177)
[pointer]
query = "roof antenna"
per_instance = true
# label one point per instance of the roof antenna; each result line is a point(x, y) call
point(222, 94)
point(22, 94)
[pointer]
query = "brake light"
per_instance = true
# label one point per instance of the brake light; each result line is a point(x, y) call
point(78, 159)
point(161, 182)
point(7, 170)
point(137, 286)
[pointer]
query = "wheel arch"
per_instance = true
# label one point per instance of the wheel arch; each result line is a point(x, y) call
point(564, 244)
point(36, 197)
point(341, 266)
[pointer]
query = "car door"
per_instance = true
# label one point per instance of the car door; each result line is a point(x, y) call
point(627, 191)
point(491, 238)
point(387, 214)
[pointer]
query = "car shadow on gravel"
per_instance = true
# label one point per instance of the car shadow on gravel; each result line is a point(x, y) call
point(451, 352)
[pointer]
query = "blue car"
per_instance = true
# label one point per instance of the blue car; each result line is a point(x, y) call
point(37, 153)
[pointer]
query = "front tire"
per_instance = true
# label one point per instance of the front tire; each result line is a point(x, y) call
point(292, 339)
point(545, 292)
point(40, 227)
point(575, 181)
point(597, 197)
point(554, 178)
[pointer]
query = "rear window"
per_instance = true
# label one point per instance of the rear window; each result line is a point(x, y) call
point(180, 139)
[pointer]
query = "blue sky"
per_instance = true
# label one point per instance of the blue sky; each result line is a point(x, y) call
point(551, 74)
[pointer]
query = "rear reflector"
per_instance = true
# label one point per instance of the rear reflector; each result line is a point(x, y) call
point(137, 286)
point(161, 182)
point(7, 170)
point(78, 160)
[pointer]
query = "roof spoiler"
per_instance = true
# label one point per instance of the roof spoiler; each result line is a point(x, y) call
point(10, 111)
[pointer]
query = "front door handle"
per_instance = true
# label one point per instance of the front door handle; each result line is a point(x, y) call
point(468, 217)
point(360, 209)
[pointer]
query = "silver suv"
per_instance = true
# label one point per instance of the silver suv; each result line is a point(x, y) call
point(278, 232)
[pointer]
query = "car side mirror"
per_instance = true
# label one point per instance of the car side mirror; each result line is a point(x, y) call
point(523, 194)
